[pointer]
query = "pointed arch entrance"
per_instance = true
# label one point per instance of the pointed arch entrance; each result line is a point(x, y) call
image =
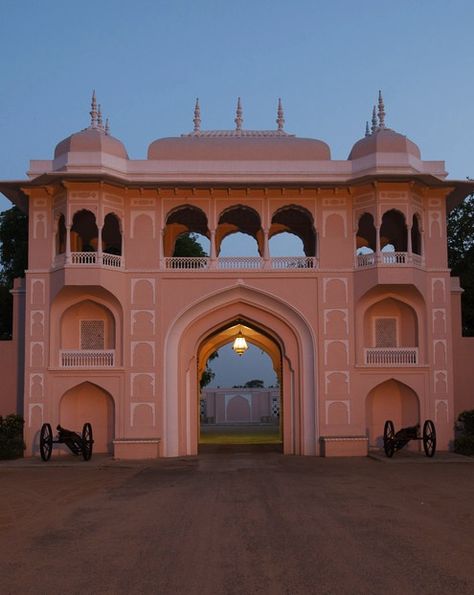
point(271, 317)
point(249, 412)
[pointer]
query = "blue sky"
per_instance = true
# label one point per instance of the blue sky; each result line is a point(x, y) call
point(149, 59)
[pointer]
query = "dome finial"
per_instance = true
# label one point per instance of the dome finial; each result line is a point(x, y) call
point(197, 117)
point(381, 111)
point(238, 116)
point(99, 118)
point(374, 121)
point(93, 112)
point(367, 130)
point(280, 116)
point(107, 126)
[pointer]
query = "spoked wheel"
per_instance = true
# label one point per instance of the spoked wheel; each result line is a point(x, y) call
point(429, 438)
point(389, 438)
point(87, 441)
point(46, 442)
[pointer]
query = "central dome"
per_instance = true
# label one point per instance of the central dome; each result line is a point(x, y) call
point(247, 146)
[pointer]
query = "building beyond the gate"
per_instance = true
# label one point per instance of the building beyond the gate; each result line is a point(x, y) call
point(113, 329)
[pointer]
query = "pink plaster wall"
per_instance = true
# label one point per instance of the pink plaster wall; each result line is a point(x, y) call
point(8, 375)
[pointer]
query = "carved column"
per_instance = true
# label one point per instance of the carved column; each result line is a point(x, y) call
point(99, 245)
point(378, 255)
point(212, 255)
point(266, 249)
point(409, 243)
point(68, 244)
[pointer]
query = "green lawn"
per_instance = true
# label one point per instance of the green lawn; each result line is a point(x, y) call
point(239, 434)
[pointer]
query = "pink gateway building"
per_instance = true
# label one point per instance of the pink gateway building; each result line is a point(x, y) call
point(111, 328)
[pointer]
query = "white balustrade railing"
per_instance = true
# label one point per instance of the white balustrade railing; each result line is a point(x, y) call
point(391, 356)
point(291, 263)
point(366, 260)
point(111, 260)
point(187, 263)
point(232, 263)
point(394, 257)
point(240, 262)
point(87, 358)
point(83, 257)
point(397, 258)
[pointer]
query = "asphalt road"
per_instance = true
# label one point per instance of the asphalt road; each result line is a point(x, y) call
point(238, 523)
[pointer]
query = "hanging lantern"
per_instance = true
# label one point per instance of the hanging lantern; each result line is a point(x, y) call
point(240, 344)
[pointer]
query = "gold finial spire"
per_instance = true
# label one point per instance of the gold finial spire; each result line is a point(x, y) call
point(238, 116)
point(93, 112)
point(197, 117)
point(374, 121)
point(381, 111)
point(99, 118)
point(280, 116)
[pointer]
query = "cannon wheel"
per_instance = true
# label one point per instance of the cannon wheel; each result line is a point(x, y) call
point(388, 438)
point(46, 442)
point(87, 441)
point(429, 438)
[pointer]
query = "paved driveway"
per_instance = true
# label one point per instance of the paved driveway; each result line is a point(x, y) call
point(237, 523)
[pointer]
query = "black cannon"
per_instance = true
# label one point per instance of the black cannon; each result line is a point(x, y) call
point(395, 441)
point(78, 444)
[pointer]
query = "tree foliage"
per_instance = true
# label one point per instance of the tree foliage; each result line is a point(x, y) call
point(14, 261)
point(208, 375)
point(461, 257)
point(255, 383)
point(188, 245)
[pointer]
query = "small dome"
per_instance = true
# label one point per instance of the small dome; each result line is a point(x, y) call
point(250, 146)
point(91, 140)
point(384, 140)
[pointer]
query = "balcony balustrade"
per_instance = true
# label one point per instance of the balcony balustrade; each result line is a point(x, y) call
point(238, 263)
point(113, 261)
point(391, 356)
point(87, 358)
point(388, 258)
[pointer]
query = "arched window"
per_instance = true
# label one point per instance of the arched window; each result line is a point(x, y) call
point(366, 235)
point(393, 232)
point(244, 220)
point(61, 235)
point(112, 235)
point(84, 232)
point(184, 221)
point(416, 236)
point(298, 221)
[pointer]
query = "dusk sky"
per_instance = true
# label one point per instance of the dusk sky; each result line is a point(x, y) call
point(149, 59)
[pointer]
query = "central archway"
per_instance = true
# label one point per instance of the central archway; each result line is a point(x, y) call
point(241, 414)
point(274, 318)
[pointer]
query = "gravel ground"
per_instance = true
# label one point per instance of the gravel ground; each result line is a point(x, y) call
point(238, 522)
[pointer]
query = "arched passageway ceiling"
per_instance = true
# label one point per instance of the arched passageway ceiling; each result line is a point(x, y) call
point(298, 221)
point(252, 335)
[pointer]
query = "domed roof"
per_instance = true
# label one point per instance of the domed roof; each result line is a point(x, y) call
point(91, 140)
point(247, 145)
point(94, 139)
point(384, 140)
